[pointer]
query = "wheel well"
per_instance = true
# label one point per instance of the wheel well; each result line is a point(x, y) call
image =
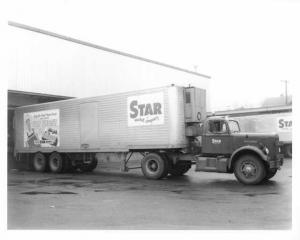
point(244, 152)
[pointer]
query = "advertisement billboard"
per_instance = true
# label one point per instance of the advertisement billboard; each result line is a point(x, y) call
point(41, 129)
point(284, 124)
point(146, 109)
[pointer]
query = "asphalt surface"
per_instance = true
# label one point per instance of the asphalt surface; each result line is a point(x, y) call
point(108, 199)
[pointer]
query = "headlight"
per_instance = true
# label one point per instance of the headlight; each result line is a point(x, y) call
point(266, 150)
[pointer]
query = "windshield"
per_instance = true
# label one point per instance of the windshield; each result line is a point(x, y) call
point(233, 126)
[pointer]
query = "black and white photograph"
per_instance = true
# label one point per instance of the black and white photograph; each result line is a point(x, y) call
point(151, 115)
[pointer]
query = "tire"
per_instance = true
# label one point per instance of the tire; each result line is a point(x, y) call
point(154, 166)
point(270, 173)
point(67, 164)
point(90, 167)
point(56, 163)
point(39, 162)
point(249, 170)
point(288, 150)
point(179, 169)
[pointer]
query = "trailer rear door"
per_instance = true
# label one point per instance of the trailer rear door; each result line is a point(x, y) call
point(88, 125)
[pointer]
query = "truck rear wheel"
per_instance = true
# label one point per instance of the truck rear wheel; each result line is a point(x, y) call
point(249, 170)
point(39, 162)
point(56, 163)
point(179, 169)
point(154, 166)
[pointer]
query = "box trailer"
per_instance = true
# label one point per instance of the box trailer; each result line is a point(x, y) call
point(167, 126)
point(149, 119)
point(76, 129)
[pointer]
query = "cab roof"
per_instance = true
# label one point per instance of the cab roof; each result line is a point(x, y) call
point(220, 118)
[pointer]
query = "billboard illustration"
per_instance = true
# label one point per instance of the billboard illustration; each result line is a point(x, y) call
point(41, 129)
point(147, 109)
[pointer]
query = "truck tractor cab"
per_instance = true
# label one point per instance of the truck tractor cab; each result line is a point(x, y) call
point(218, 136)
point(252, 157)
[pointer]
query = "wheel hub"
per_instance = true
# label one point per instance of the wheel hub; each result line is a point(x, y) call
point(248, 170)
point(152, 165)
point(39, 162)
point(54, 163)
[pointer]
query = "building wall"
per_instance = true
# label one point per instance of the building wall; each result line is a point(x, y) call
point(40, 63)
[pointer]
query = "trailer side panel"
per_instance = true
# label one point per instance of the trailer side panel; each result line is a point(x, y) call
point(111, 123)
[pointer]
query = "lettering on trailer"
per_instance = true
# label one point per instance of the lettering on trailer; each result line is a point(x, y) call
point(41, 129)
point(284, 124)
point(146, 109)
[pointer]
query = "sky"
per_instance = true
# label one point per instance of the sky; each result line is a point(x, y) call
point(247, 47)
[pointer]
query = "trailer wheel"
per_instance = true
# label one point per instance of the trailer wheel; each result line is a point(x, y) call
point(154, 166)
point(67, 164)
point(249, 170)
point(270, 173)
point(56, 163)
point(90, 167)
point(39, 162)
point(288, 150)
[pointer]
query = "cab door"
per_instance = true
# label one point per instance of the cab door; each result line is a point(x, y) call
point(217, 139)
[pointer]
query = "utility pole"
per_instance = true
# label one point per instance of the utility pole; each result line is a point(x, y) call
point(286, 96)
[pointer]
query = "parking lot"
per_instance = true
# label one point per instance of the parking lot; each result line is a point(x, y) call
point(108, 199)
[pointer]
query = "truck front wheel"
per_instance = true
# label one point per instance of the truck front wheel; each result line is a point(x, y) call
point(270, 173)
point(154, 166)
point(249, 170)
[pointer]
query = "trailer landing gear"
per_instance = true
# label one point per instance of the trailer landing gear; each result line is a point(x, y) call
point(127, 157)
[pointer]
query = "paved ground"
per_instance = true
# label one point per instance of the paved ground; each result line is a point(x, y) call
point(112, 200)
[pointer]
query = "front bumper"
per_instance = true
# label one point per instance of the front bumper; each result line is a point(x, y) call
point(277, 162)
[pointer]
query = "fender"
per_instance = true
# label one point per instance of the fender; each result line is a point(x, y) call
point(247, 148)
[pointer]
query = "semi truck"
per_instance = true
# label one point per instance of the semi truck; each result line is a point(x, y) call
point(166, 126)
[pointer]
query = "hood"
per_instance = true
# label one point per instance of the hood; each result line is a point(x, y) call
point(259, 140)
point(255, 135)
